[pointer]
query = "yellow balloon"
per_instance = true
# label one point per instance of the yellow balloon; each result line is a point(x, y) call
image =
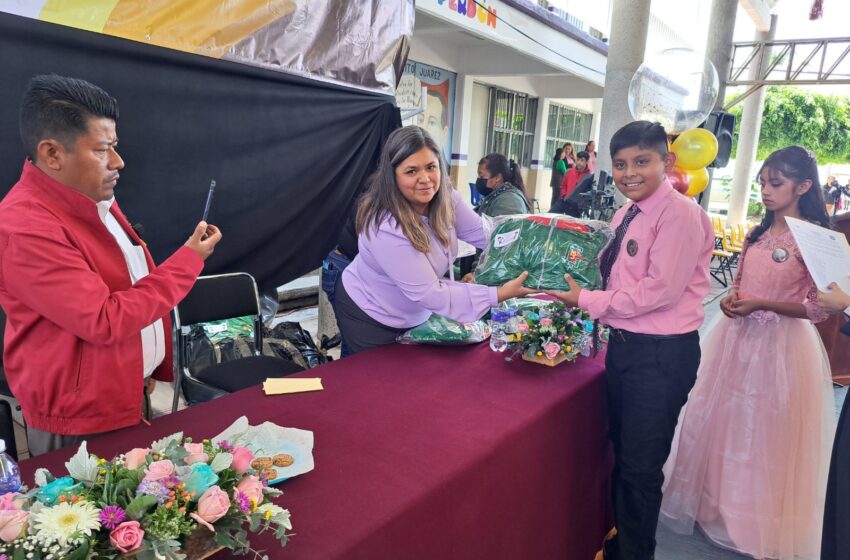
point(695, 148)
point(699, 181)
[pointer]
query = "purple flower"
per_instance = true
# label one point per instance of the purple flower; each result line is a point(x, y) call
point(242, 501)
point(225, 445)
point(153, 488)
point(171, 482)
point(111, 516)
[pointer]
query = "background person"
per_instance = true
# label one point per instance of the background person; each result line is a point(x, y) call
point(590, 148)
point(87, 309)
point(559, 169)
point(835, 544)
point(408, 223)
point(575, 174)
point(569, 154)
point(500, 183)
point(754, 442)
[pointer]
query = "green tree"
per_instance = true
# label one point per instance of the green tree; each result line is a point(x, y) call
point(795, 116)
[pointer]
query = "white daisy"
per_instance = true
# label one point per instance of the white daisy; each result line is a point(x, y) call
point(67, 520)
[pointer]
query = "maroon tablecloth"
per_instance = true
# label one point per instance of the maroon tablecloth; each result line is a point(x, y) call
point(425, 452)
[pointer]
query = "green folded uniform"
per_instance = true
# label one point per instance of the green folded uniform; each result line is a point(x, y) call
point(441, 330)
point(547, 247)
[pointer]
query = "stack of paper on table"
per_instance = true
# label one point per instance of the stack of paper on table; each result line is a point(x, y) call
point(284, 385)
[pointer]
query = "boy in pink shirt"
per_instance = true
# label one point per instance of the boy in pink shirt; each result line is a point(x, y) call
point(655, 276)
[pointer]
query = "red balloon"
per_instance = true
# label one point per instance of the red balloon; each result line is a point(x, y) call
point(680, 179)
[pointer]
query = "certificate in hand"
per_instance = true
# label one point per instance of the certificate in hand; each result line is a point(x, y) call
point(826, 253)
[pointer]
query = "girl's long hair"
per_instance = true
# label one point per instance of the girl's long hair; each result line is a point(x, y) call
point(557, 157)
point(798, 164)
point(383, 198)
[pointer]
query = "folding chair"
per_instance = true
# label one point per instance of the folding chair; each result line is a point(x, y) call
point(215, 298)
point(724, 260)
point(474, 195)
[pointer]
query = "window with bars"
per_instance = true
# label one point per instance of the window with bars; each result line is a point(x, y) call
point(511, 125)
point(566, 125)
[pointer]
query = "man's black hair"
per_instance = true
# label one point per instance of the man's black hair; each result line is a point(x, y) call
point(583, 155)
point(643, 134)
point(59, 107)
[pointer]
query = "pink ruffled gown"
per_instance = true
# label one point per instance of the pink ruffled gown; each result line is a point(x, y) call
point(750, 461)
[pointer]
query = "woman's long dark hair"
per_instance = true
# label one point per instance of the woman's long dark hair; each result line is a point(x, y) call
point(798, 164)
point(382, 196)
point(557, 157)
point(510, 170)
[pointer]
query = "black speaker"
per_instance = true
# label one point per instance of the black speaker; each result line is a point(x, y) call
point(722, 125)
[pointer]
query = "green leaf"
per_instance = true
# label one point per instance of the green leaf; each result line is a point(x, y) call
point(80, 553)
point(221, 461)
point(161, 445)
point(140, 505)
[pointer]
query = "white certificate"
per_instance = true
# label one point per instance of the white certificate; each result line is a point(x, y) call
point(826, 253)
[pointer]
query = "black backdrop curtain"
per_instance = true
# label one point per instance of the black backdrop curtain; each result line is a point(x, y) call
point(288, 154)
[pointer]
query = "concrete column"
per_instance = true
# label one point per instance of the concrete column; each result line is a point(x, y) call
point(459, 166)
point(748, 137)
point(625, 54)
point(718, 49)
point(537, 177)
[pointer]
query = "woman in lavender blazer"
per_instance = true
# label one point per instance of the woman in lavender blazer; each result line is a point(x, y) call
point(408, 224)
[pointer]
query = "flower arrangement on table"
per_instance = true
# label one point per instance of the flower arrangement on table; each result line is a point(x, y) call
point(144, 504)
point(551, 333)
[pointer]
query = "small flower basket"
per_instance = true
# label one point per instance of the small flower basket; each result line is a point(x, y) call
point(552, 333)
point(551, 362)
point(176, 500)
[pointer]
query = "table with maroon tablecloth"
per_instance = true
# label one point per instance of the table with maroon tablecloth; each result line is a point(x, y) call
point(426, 452)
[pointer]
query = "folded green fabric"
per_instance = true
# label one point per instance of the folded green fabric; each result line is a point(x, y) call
point(547, 247)
point(442, 330)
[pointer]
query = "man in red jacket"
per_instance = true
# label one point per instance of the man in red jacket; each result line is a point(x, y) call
point(87, 309)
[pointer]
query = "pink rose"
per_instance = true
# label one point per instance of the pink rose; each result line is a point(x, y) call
point(522, 327)
point(251, 487)
point(12, 500)
point(545, 322)
point(196, 453)
point(159, 470)
point(551, 349)
point(135, 458)
point(212, 506)
point(13, 523)
point(242, 458)
point(127, 537)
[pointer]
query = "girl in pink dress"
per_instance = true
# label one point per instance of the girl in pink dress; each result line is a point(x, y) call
point(751, 458)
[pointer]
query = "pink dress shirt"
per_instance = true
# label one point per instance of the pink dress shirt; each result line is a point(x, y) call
point(658, 290)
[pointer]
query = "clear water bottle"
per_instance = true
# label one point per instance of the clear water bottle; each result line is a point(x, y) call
point(10, 477)
point(513, 321)
point(498, 329)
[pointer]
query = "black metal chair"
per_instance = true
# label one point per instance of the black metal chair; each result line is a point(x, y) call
point(7, 421)
point(215, 298)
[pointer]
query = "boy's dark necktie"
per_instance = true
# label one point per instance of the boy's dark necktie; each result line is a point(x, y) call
point(610, 255)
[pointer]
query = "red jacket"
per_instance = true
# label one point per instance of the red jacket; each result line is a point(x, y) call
point(571, 179)
point(73, 349)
